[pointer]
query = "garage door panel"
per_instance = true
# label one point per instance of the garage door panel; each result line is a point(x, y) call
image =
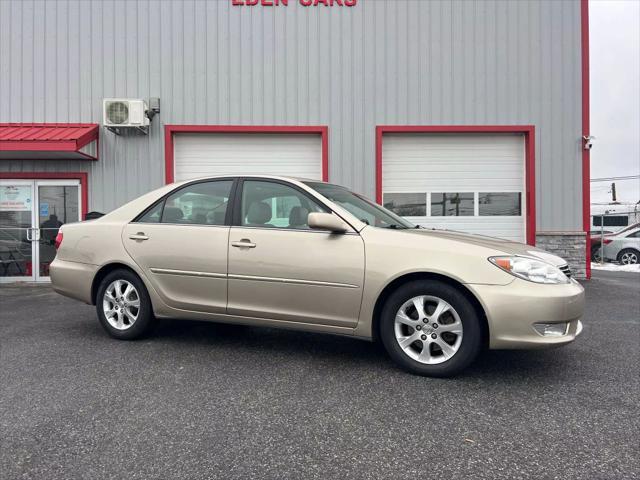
point(434, 175)
point(455, 166)
point(444, 183)
point(457, 163)
point(444, 140)
point(204, 154)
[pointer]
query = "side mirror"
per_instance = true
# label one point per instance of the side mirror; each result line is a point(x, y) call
point(326, 221)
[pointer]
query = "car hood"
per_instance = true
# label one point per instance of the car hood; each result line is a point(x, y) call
point(507, 247)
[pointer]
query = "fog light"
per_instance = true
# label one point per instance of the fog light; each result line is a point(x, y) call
point(551, 329)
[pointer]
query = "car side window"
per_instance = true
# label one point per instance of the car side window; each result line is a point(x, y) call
point(275, 205)
point(634, 235)
point(203, 203)
point(153, 214)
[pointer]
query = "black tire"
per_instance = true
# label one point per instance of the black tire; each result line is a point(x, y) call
point(144, 320)
point(471, 342)
point(633, 253)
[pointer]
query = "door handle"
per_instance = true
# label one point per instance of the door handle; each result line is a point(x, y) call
point(244, 243)
point(138, 236)
point(33, 234)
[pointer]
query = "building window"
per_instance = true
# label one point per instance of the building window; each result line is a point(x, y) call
point(406, 204)
point(611, 220)
point(499, 204)
point(452, 204)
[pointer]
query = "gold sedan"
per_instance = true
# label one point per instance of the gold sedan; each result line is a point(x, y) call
point(283, 252)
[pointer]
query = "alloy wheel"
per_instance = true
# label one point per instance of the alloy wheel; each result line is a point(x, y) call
point(629, 258)
point(428, 329)
point(121, 304)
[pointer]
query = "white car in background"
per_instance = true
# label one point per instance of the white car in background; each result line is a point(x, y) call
point(623, 247)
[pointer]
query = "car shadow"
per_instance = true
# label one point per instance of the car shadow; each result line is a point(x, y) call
point(293, 343)
point(515, 365)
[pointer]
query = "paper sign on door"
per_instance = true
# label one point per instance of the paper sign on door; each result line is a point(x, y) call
point(15, 198)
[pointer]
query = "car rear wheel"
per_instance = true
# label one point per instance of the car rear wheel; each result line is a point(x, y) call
point(629, 256)
point(123, 305)
point(430, 328)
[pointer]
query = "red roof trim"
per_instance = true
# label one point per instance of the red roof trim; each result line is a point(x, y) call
point(48, 137)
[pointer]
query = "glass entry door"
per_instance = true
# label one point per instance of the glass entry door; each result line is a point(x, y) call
point(31, 213)
point(16, 229)
point(57, 203)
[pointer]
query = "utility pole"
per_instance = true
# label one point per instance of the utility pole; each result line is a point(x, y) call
point(613, 192)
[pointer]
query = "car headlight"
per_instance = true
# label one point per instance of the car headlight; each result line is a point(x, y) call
point(530, 269)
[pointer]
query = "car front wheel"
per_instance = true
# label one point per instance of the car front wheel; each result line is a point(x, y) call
point(629, 256)
point(123, 305)
point(430, 328)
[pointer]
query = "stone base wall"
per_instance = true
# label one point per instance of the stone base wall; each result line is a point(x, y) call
point(569, 245)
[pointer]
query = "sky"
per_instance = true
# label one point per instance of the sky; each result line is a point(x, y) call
point(614, 43)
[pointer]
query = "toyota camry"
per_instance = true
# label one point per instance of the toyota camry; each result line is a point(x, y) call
point(293, 253)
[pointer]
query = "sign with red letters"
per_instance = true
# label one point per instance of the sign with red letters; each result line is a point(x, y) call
point(285, 3)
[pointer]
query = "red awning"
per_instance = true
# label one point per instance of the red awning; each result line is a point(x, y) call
point(34, 141)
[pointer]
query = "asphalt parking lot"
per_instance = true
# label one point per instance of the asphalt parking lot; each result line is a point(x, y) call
point(200, 400)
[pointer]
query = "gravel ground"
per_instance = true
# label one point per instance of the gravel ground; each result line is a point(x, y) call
point(201, 400)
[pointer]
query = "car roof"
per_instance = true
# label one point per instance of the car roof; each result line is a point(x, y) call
point(626, 232)
point(253, 175)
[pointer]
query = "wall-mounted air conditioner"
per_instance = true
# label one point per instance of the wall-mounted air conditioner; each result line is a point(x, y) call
point(125, 114)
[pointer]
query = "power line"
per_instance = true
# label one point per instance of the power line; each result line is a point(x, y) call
point(608, 179)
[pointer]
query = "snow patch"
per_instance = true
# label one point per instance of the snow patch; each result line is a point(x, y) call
point(614, 267)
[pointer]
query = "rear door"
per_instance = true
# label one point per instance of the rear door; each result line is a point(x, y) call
point(181, 244)
point(281, 269)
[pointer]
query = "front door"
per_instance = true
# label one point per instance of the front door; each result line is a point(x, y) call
point(280, 269)
point(31, 213)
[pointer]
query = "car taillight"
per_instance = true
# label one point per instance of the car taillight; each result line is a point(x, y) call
point(607, 241)
point(58, 240)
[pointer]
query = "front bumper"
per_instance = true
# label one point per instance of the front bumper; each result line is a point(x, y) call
point(513, 309)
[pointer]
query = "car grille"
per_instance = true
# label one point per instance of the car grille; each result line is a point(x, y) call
point(566, 270)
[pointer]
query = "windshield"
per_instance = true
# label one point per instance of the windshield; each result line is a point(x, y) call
point(359, 206)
